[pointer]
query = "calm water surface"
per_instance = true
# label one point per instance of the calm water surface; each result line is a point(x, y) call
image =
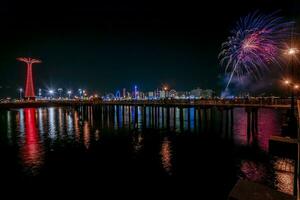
point(146, 149)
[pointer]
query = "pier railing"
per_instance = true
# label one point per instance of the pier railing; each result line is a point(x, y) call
point(251, 102)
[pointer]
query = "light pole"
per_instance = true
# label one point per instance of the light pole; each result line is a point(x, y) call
point(165, 88)
point(40, 93)
point(291, 53)
point(80, 93)
point(51, 92)
point(20, 93)
point(69, 93)
point(60, 91)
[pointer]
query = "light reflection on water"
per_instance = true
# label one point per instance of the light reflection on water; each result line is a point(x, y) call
point(52, 124)
point(269, 123)
point(166, 155)
point(32, 152)
point(284, 172)
point(39, 129)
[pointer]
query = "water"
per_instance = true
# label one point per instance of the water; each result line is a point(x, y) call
point(91, 149)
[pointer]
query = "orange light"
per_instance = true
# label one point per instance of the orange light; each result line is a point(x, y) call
point(296, 86)
point(287, 82)
point(292, 51)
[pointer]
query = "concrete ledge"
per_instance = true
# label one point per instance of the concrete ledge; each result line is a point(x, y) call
point(283, 146)
point(284, 139)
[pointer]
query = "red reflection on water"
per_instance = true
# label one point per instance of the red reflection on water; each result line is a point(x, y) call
point(32, 150)
point(269, 124)
point(240, 126)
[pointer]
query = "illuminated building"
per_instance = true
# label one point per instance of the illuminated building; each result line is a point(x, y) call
point(173, 93)
point(124, 93)
point(136, 92)
point(201, 93)
point(118, 94)
point(162, 94)
point(150, 95)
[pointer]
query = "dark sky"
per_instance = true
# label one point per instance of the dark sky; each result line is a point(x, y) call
point(107, 45)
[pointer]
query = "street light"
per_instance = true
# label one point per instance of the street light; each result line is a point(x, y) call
point(69, 93)
point(165, 89)
point(40, 92)
point(20, 92)
point(80, 93)
point(291, 53)
point(51, 92)
point(59, 91)
point(287, 82)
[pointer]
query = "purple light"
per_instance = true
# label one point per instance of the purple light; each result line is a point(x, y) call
point(256, 42)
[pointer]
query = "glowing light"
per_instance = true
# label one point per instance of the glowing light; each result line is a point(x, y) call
point(284, 174)
point(296, 87)
point(51, 92)
point(29, 88)
point(287, 82)
point(20, 91)
point(292, 51)
point(136, 92)
point(69, 92)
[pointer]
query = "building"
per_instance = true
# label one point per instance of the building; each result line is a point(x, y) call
point(124, 93)
point(182, 94)
point(151, 95)
point(173, 93)
point(207, 94)
point(196, 93)
point(162, 94)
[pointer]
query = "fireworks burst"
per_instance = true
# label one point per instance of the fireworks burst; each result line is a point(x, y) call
point(255, 44)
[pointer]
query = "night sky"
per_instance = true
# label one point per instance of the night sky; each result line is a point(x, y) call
point(109, 45)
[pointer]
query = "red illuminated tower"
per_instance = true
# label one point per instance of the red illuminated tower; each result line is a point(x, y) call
point(29, 88)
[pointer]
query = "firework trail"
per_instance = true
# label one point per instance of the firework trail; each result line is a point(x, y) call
point(255, 44)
